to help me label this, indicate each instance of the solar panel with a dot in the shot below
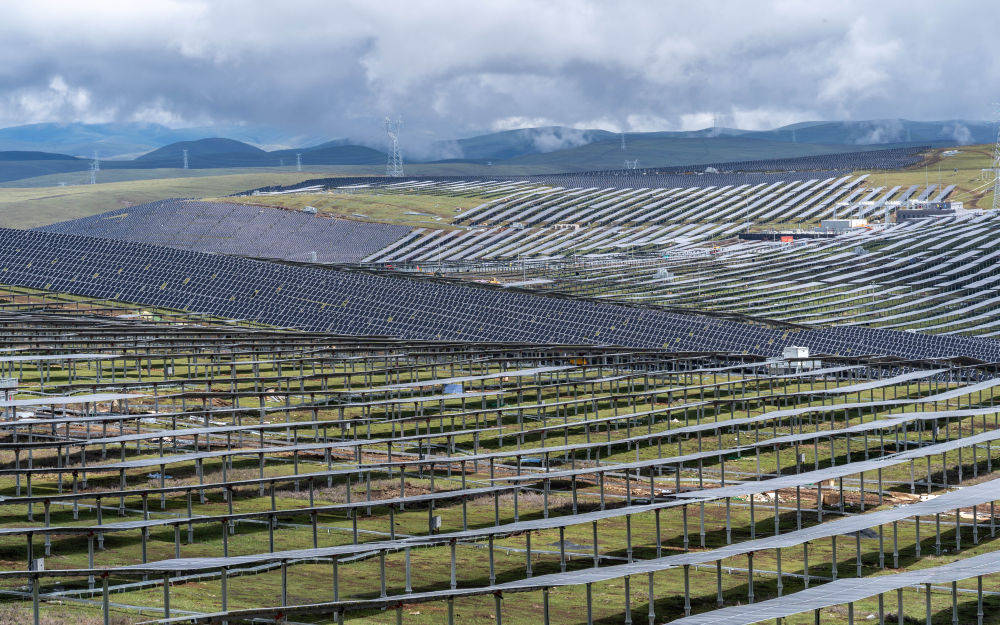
(244, 230)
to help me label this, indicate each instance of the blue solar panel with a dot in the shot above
(223, 228)
(356, 303)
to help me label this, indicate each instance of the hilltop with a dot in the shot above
(546, 149)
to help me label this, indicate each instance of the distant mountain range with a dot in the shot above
(513, 144)
(881, 131)
(219, 152)
(569, 149)
(38, 149)
(128, 140)
(208, 153)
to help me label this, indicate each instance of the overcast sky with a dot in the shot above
(452, 69)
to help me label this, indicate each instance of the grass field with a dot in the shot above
(106, 176)
(437, 209)
(44, 200)
(39, 206)
(963, 169)
(314, 171)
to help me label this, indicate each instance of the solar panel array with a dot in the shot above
(630, 178)
(520, 221)
(202, 472)
(228, 228)
(359, 303)
(933, 275)
(546, 222)
(794, 202)
(331, 300)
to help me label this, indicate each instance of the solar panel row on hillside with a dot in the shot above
(243, 230)
(360, 303)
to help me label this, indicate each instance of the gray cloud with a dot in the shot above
(960, 133)
(884, 131)
(456, 68)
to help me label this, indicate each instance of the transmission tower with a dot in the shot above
(623, 142)
(996, 170)
(298, 161)
(95, 166)
(394, 167)
(185, 158)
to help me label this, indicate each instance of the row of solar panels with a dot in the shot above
(355, 303)
(936, 275)
(688, 214)
(971, 496)
(665, 218)
(781, 202)
(229, 228)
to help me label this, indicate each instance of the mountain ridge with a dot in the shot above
(556, 148)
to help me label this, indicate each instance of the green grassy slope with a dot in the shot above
(962, 168)
(39, 206)
(435, 210)
(314, 171)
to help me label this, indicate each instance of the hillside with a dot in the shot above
(652, 151)
(39, 206)
(948, 132)
(513, 143)
(19, 164)
(219, 152)
(201, 147)
(213, 152)
(21, 155)
(333, 153)
(962, 166)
